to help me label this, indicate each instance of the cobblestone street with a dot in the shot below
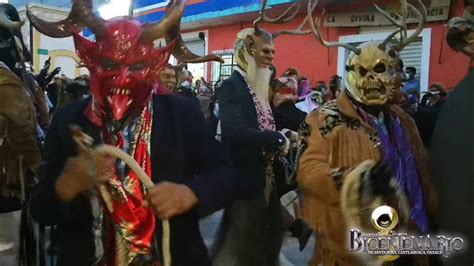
(289, 256)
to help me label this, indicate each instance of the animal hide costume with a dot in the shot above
(361, 151)
(124, 66)
(17, 113)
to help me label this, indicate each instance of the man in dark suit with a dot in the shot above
(251, 232)
(189, 169)
(166, 135)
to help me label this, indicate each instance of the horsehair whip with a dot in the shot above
(85, 143)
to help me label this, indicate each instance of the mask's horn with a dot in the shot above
(6, 22)
(181, 52)
(174, 11)
(81, 16)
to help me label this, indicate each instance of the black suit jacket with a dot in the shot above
(240, 134)
(183, 151)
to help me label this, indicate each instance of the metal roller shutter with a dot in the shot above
(411, 56)
(196, 46)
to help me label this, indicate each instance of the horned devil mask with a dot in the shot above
(123, 62)
(374, 69)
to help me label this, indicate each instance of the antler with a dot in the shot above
(297, 31)
(316, 24)
(283, 18)
(402, 24)
(287, 15)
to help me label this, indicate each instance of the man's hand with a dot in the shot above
(55, 71)
(81, 172)
(285, 148)
(47, 63)
(290, 134)
(170, 199)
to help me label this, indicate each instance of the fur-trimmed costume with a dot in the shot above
(336, 140)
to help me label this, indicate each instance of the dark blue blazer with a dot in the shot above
(183, 151)
(243, 140)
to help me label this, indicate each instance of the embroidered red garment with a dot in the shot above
(135, 223)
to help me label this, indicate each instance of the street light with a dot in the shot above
(116, 8)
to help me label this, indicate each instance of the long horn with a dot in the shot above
(5, 22)
(174, 11)
(81, 16)
(180, 51)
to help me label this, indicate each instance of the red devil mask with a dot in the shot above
(123, 62)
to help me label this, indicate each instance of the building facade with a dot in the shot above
(347, 21)
(210, 26)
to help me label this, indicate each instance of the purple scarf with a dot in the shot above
(397, 151)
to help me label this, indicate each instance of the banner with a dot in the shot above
(373, 17)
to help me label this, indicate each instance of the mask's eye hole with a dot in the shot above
(362, 71)
(380, 68)
(137, 66)
(110, 64)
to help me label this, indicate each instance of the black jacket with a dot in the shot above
(287, 115)
(183, 151)
(240, 134)
(452, 168)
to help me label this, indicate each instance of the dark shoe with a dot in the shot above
(303, 238)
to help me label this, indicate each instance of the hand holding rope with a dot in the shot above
(84, 143)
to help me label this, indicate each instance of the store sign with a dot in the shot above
(375, 18)
(43, 52)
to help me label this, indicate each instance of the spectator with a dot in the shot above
(288, 116)
(292, 72)
(168, 77)
(428, 112)
(185, 87)
(53, 90)
(412, 85)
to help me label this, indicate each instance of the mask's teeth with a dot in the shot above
(109, 99)
(129, 102)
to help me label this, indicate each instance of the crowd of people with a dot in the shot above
(240, 145)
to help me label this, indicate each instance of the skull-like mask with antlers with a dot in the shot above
(123, 62)
(375, 75)
(259, 43)
(374, 69)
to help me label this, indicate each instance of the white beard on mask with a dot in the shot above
(258, 79)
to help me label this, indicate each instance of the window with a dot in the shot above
(223, 70)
